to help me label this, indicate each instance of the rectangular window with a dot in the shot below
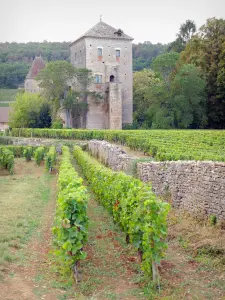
(99, 51)
(98, 78)
(75, 56)
(117, 53)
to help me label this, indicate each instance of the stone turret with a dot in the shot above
(31, 84)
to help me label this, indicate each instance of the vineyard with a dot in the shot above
(107, 228)
(161, 144)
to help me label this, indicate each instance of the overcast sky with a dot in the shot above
(65, 20)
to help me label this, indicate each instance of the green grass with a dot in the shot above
(8, 94)
(23, 199)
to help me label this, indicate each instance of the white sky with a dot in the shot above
(65, 20)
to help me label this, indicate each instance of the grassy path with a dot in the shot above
(27, 204)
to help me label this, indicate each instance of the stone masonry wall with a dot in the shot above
(111, 155)
(195, 186)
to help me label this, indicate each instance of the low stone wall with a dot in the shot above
(196, 186)
(111, 155)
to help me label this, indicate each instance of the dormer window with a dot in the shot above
(119, 32)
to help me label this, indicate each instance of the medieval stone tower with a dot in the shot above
(107, 52)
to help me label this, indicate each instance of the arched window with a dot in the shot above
(112, 78)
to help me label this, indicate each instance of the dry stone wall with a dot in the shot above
(111, 155)
(195, 186)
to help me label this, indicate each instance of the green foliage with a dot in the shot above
(206, 50)
(71, 222)
(39, 155)
(165, 64)
(133, 205)
(30, 110)
(50, 159)
(177, 101)
(27, 153)
(12, 74)
(18, 151)
(212, 220)
(143, 54)
(57, 124)
(55, 79)
(161, 144)
(189, 98)
(6, 159)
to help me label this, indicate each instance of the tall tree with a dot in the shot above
(189, 98)
(186, 31)
(143, 80)
(206, 50)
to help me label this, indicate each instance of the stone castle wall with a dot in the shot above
(196, 186)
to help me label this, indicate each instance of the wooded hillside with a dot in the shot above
(16, 58)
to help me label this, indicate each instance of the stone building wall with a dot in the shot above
(195, 186)
(84, 54)
(120, 67)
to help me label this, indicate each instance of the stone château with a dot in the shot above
(107, 52)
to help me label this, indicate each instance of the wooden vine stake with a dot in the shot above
(155, 274)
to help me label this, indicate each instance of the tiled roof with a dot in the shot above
(103, 30)
(4, 114)
(37, 65)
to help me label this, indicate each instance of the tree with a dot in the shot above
(165, 64)
(30, 110)
(189, 98)
(142, 81)
(187, 30)
(143, 53)
(179, 102)
(206, 50)
(55, 78)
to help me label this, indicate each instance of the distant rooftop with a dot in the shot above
(4, 114)
(103, 30)
(37, 65)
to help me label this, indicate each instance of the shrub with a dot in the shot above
(39, 155)
(27, 153)
(133, 205)
(70, 231)
(6, 159)
(57, 124)
(50, 159)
